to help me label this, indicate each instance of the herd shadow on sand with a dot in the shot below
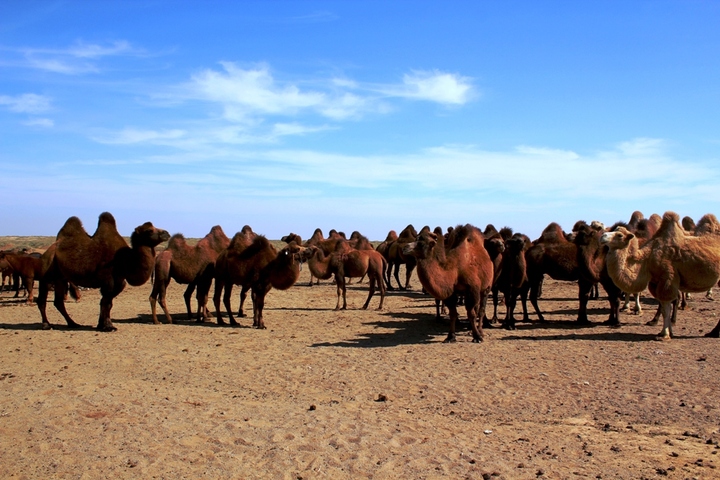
(410, 326)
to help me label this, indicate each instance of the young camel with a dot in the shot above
(185, 264)
(463, 268)
(103, 261)
(257, 267)
(348, 262)
(670, 263)
(28, 267)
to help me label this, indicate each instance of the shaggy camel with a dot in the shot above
(581, 260)
(396, 256)
(102, 261)
(28, 267)
(464, 267)
(185, 264)
(240, 241)
(347, 262)
(513, 280)
(258, 267)
(9, 275)
(384, 250)
(670, 263)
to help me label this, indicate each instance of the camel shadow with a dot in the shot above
(146, 319)
(404, 329)
(38, 326)
(613, 335)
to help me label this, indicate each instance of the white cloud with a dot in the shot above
(40, 122)
(77, 59)
(26, 103)
(132, 135)
(434, 86)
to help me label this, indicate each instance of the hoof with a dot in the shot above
(450, 339)
(46, 326)
(477, 340)
(611, 323)
(652, 322)
(662, 338)
(105, 328)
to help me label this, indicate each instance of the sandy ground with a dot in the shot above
(355, 394)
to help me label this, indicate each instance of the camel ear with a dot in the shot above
(629, 236)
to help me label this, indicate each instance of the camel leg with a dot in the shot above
(437, 310)
(476, 307)
(243, 296)
(202, 292)
(666, 332)
(188, 298)
(371, 291)
(106, 303)
(584, 289)
(258, 299)
(42, 304)
(59, 303)
(396, 272)
(219, 284)
(226, 301)
(451, 304)
(510, 302)
(409, 267)
(535, 287)
(340, 288)
(613, 295)
(495, 295)
(381, 287)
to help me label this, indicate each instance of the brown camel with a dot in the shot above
(581, 260)
(670, 263)
(347, 262)
(9, 275)
(185, 264)
(240, 241)
(103, 261)
(513, 280)
(397, 256)
(384, 249)
(495, 246)
(28, 267)
(464, 267)
(257, 267)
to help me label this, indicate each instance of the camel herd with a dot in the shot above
(463, 265)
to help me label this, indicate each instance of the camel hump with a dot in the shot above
(552, 233)
(671, 217)
(670, 228)
(177, 240)
(106, 218)
(462, 233)
(73, 226)
(506, 233)
(707, 224)
(258, 244)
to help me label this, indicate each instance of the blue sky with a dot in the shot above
(356, 115)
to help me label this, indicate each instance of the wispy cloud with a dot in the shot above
(40, 122)
(76, 59)
(26, 103)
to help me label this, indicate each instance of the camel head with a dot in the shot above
(422, 247)
(494, 246)
(584, 233)
(707, 224)
(515, 244)
(292, 237)
(618, 239)
(294, 252)
(148, 236)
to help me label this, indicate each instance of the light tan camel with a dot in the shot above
(103, 261)
(671, 262)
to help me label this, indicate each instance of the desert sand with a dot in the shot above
(356, 394)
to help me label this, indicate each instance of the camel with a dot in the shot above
(464, 267)
(103, 260)
(9, 275)
(348, 262)
(28, 267)
(293, 237)
(670, 263)
(186, 264)
(581, 260)
(513, 280)
(255, 266)
(396, 256)
(384, 250)
(240, 241)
